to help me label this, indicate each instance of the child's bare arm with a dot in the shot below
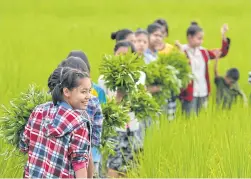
(179, 45)
(154, 89)
(224, 30)
(81, 173)
(216, 71)
(244, 97)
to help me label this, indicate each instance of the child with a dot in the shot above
(196, 94)
(119, 49)
(164, 48)
(96, 90)
(227, 87)
(142, 41)
(123, 35)
(57, 135)
(129, 138)
(155, 39)
(93, 109)
(124, 47)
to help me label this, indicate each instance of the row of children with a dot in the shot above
(60, 135)
(149, 44)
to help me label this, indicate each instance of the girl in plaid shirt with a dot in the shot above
(78, 60)
(57, 135)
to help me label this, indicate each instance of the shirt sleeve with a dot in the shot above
(25, 136)
(224, 49)
(240, 93)
(79, 149)
(97, 125)
(142, 78)
(101, 83)
(217, 80)
(102, 96)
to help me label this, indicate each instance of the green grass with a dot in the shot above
(215, 145)
(37, 35)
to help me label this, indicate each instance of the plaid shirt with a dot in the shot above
(56, 138)
(95, 115)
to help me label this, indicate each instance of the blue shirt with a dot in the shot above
(97, 128)
(99, 92)
(150, 56)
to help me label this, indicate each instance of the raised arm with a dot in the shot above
(225, 44)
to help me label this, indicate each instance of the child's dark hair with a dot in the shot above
(75, 63)
(125, 44)
(141, 31)
(234, 74)
(121, 34)
(193, 29)
(153, 28)
(163, 23)
(82, 55)
(63, 77)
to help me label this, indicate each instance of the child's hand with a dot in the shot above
(154, 89)
(120, 95)
(224, 29)
(178, 44)
(217, 54)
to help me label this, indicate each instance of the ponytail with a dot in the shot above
(64, 77)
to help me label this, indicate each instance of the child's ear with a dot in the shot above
(66, 92)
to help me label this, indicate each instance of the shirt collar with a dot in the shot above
(64, 104)
(148, 51)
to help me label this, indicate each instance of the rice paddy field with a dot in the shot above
(36, 35)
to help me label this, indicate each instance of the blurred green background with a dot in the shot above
(35, 35)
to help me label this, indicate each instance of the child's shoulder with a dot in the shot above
(219, 80)
(43, 107)
(97, 88)
(93, 100)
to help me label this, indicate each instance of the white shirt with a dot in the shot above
(198, 66)
(101, 83)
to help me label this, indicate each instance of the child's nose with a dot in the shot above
(88, 96)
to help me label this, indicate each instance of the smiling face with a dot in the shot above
(79, 96)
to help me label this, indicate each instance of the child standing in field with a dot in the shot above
(155, 39)
(196, 94)
(123, 35)
(129, 139)
(164, 48)
(78, 60)
(57, 135)
(227, 87)
(119, 49)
